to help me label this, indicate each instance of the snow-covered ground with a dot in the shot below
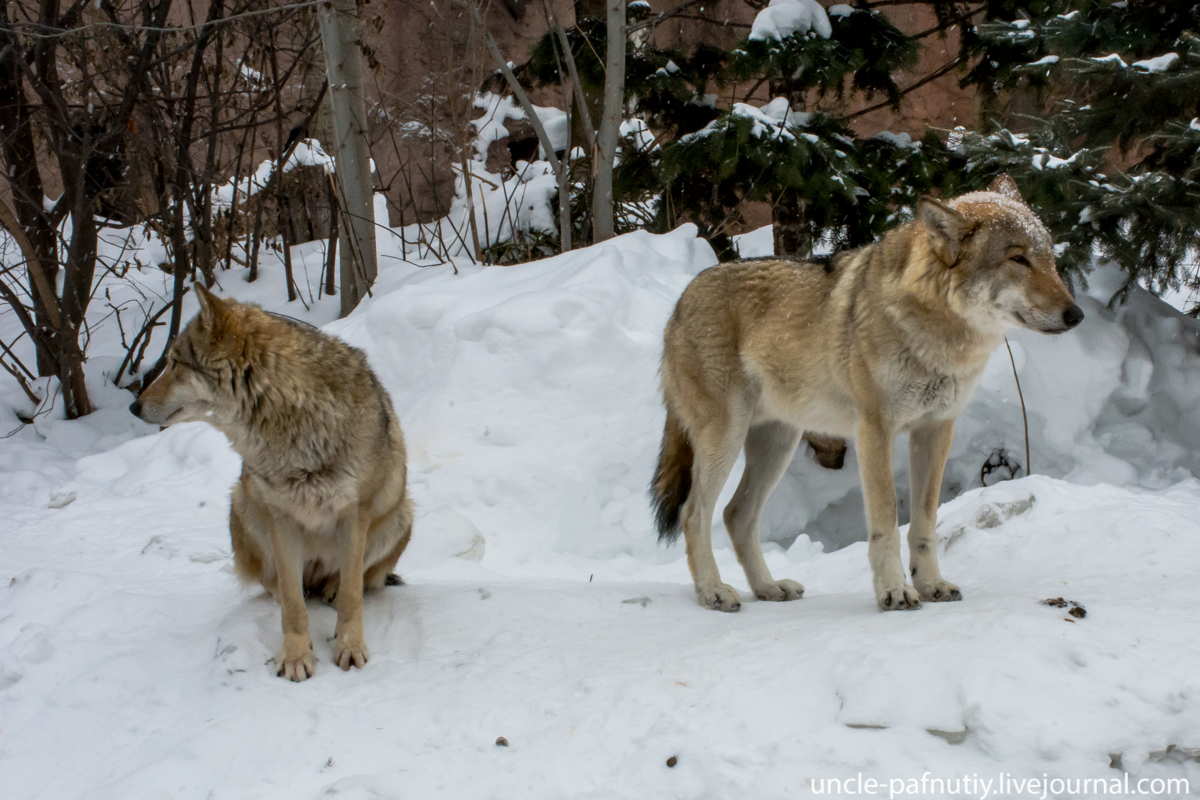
(538, 606)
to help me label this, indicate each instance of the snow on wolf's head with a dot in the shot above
(996, 259)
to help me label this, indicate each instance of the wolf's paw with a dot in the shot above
(780, 591)
(721, 597)
(297, 668)
(905, 597)
(939, 591)
(350, 653)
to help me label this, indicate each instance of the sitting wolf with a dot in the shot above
(887, 338)
(321, 507)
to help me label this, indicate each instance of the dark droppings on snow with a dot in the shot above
(501, 741)
(672, 761)
(1073, 608)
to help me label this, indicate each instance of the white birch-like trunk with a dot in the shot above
(610, 124)
(343, 60)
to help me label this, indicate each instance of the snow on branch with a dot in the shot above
(784, 18)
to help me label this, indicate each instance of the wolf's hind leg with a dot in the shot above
(319, 583)
(929, 446)
(380, 574)
(716, 449)
(874, 443)
(296, 662)
(769, 449)
(350, 648)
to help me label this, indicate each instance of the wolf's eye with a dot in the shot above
(1022, 260)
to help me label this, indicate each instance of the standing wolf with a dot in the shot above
(890, 337)
(321, 507)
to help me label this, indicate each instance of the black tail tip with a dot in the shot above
(666, 519)
(667, 504)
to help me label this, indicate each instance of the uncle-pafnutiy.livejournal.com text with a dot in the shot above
(1002, 784)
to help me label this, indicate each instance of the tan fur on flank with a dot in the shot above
(321, 507)
(888, 338)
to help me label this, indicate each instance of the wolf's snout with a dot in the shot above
(1073, 316)
(135, 408)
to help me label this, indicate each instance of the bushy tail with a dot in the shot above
(673, 478)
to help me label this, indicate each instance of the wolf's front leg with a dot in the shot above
(350, 647)
(296, 661)
(928, 448)
(879, 489)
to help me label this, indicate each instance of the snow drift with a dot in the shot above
(539, 382)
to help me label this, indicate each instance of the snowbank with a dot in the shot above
(529, 393)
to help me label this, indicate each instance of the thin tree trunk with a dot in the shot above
(24, 180)
(564, 197)
(585, 114)
(788, 229)
(256, 235)
(205, 257)
(283, 209)
(564, 185)
(180, 268)
(331, 251)
(80, 272)
(603, 226)
(237, 186)
(343, 59)
(255, 240)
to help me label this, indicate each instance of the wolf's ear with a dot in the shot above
(212, 309)
(1006, 186)
(945, 228)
